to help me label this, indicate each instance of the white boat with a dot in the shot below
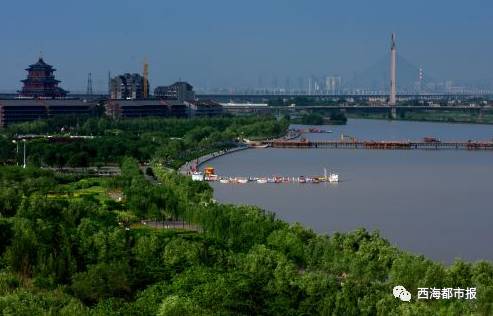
(212, 177)
(262, 180)
(242, 180)
(197, 176)
(333, 178)
(224, 181)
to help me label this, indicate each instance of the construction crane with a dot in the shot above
(146, 76)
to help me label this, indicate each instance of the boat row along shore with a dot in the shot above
(210, 175)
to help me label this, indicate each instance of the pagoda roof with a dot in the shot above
(40, 64)
(45, 80)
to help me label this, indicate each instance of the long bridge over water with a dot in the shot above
(383, 145)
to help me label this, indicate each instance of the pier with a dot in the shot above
(383, 145)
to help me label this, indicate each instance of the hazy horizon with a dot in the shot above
(246, 44)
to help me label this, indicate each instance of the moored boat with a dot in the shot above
(333, 178)
(212, 177)
(242, 180)
(197, 176)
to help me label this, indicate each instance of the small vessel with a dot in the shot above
(333, 178)
(197, 176)
(225, 181)
(301, 179)
(262, 180)
(210, 174)
(212, 177)
(242, 180)
(209, 170)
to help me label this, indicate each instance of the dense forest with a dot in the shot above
(80, 245)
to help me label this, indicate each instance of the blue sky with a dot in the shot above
(227, 43)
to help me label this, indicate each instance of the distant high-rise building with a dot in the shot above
(181, 91)
(41, 82)
(333, 84)
(89, 84)
(128, 86)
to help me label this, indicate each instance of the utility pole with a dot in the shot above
(24, 141)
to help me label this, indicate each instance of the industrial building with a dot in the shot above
(200, 108)
(149, 107)
(181, 91)
(129, 86)
(22, 110)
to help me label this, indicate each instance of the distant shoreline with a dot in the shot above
(362, 117)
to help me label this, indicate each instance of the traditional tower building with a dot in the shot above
(41, 82)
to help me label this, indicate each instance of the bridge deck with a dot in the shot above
(389, 145)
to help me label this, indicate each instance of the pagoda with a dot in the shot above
(41, 82)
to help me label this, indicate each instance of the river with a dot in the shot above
(435, 203)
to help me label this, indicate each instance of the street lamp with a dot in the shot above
(16, 151)
(24, 141)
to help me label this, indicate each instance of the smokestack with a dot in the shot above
(393, 66)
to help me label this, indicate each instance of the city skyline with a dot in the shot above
(224, 45)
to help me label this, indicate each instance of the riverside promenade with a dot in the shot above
(187, 167)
